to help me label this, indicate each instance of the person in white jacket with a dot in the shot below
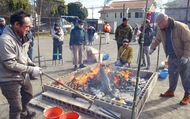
(58, 37)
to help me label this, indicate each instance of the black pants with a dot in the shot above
(57, 52)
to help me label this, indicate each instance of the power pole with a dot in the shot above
(123, 10)
(186, 17)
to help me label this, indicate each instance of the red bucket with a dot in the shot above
(53, 113)
(70, 115)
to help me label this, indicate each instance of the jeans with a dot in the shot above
(18, 95)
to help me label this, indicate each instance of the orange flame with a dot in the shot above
(82, 80)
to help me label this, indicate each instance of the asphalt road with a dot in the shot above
(155, 108)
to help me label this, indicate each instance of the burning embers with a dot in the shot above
(117, 84)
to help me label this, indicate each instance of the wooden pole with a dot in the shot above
(134, 111)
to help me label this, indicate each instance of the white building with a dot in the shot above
(132, 9)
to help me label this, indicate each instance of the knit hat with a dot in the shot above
(147, 21)
(125, 19)
(161, 17)
(81, 22)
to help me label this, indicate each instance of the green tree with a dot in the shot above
(51, 8)
(14, 5)
(77, 9)
(7, 7)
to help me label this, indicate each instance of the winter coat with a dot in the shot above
(148, 36)
(58, 36)
(1, 29)
(14, 60)
(125, 55)
(77, 36)
(123, 32)
(180, 38)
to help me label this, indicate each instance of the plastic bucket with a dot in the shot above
(106, 57)
(70, 115)
(53, 113)
(163, 73)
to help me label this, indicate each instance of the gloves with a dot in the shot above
(183, 60)
(151, 51)
(36, 71)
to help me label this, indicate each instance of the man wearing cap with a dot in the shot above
(125, 54)
(123, 31)
(77, 43)
(148, 37)
(175, 37)
(2, 25)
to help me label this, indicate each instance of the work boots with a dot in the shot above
(185, 100)
(167, 94)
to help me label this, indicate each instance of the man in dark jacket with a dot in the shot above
(123, 31)
(148, 37)
(77, 43)
(2, 24)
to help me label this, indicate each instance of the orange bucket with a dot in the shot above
(70, 115)
(53, 113)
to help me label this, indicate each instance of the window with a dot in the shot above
(138, 14)
(129, 15)
(106, 14)
(121, 16)
(115, 15)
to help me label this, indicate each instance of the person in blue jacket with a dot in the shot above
(148, 37)
(77, 43)
(90, 31)
(2, 24)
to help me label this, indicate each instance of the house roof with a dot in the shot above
(131, 4)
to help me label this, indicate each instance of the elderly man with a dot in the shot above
(2, 24)
(15, 66)
(175, 37)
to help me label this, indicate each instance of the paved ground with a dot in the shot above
(155, 108)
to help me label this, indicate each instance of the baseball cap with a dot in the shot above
(2, 19)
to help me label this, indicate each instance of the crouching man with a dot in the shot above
(125, 55)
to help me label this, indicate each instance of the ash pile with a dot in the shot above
(109, 82)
